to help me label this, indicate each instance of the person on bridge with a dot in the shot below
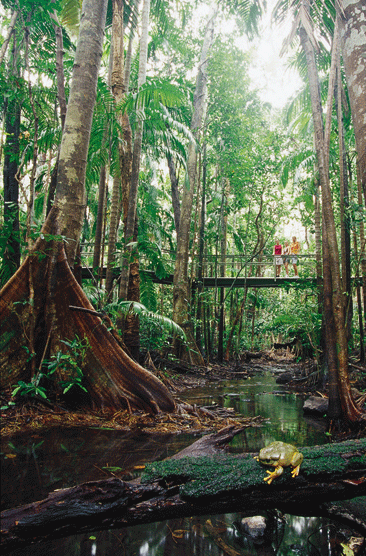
(277, 251)
(295, 250)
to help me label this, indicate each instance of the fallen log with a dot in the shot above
(187, 486)
(285, 345)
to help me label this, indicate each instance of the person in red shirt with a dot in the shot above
(277, 252)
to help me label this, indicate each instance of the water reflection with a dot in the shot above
(286, 535)
(260, 395)
(34, 465)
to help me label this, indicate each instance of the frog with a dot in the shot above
(280, 455)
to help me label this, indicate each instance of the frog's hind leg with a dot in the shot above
(295, 471)
(273, 474)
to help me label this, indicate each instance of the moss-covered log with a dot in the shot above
(191, 486)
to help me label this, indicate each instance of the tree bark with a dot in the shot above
(70, 193)
(174, 182)
(189, 484)
(61, 95)
(112, 237)
(344, 203)
(99, 222)
(353, 34)
(136, 156)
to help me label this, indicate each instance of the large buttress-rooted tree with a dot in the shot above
(43, 304)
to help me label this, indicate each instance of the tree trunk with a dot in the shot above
(351, 412)
(129, 286)
(223, 249)
(353, 34)
(111, 378)
(344, 205)
(70, 193)
(362, 244)
(99, 222)
(118, 91)
(136, 156)
(112, 237)
(191, 483)
(174, 181)
(32, 176)
(329, 332)
(201, 246)
(11, 185)
(359, 305)
(61, 95)
(181, 290)
(318, 247)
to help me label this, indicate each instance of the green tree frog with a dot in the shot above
(280, 455)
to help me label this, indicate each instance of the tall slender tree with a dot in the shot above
(353, 32)
(181, 293)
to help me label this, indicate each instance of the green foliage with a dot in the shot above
(69, 364)
(155, 322)
(155, 91)
(295, 316)
(30, 389)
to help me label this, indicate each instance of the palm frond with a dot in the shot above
(70, 14)
(126, 307)
(156, 90)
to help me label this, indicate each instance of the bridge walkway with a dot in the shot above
(238, 272)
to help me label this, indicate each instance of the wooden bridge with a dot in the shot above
(238, 272)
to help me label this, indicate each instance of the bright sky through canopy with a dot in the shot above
(276, 83)
(268, 72)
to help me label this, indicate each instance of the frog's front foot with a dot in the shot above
(273, 474)
(295, 471)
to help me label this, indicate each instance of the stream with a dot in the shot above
(35, 464)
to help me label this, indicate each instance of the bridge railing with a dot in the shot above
(236, 265)
(212, 265)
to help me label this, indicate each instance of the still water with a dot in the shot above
(33, 465)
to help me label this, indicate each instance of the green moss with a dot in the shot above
(334, 458)
(211, 476)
